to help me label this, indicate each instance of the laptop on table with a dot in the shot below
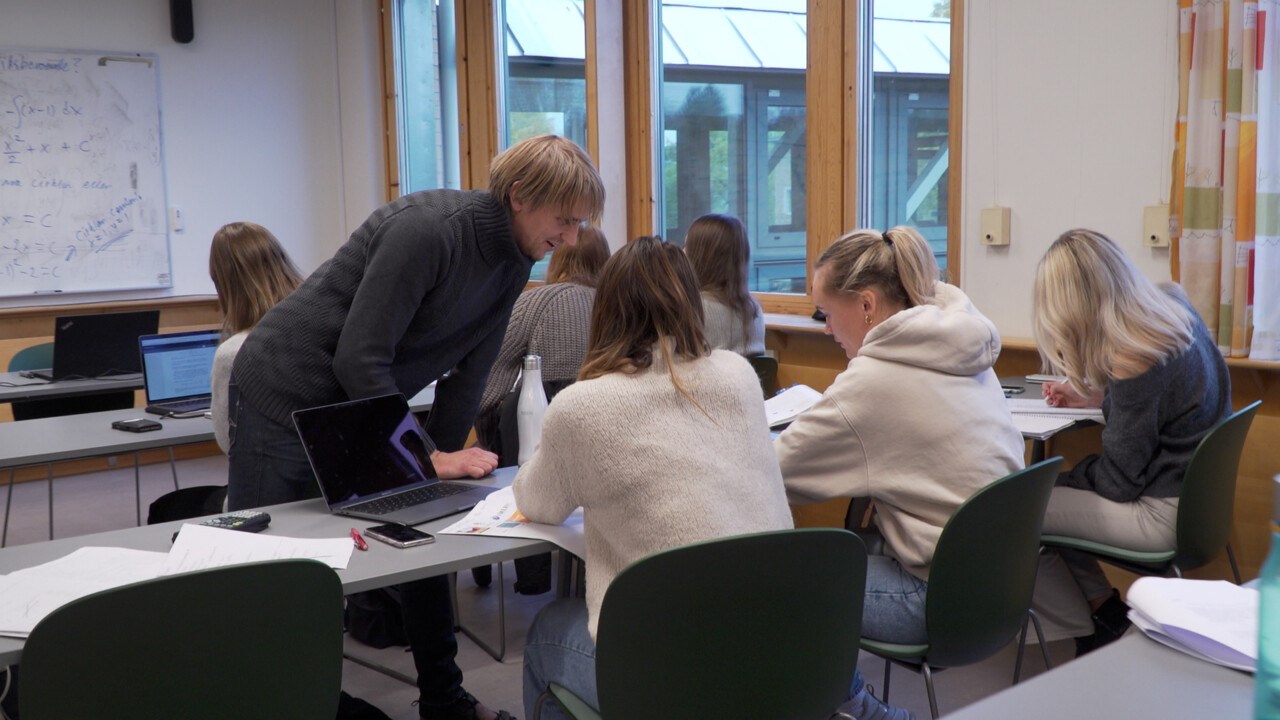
(101, 345)
(371, 461)
(177, 370)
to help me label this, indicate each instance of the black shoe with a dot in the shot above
(1111, 619)
(464, 708)
(353, 708)
(483, 575)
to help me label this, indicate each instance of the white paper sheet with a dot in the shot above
(27, 596)
(497, 515)
(1213, 620)
(201, 546)
(788, 404)
(1037, 406)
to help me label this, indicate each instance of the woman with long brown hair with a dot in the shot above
(718, 248)
(251, 272)
(651, 397)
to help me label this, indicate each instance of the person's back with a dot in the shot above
(729, 329)
(719, 252)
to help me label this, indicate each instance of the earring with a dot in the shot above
(867, 319)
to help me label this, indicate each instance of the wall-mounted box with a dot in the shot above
(1155, 226)
(994, 226)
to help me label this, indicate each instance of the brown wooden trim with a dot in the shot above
(593, 80)
(14, 320)
(638, 79)
(477, 90)
(831, 152)
(390, 128)
(955, 148)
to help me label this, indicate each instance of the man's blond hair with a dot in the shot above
(548, 171)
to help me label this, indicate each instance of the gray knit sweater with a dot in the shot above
(424, 287)
(552, 321)
(723, 327)
(1154, 422)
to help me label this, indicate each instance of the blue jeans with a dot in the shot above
(559, 648)
(269, 466)
(893, 606)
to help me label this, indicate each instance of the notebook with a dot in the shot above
(92, 346)
(371, 461)
(177, 370)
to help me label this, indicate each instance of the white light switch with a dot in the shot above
(176, 222)
(995, 226)
(1155, 226)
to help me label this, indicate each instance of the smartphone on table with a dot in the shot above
(401, 536)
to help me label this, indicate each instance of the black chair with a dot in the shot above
(766, 368)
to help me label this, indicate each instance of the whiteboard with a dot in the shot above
(82, 192)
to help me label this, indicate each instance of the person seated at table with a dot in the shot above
(251, 272)
(917, 422)
(1142, 354)
(718, 248)
(651, 396)
(551, 321)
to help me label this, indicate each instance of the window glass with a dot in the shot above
(906, 180)
(546, 82)
(425, 75)
(733, 127)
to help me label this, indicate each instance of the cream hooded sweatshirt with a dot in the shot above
(917, 422)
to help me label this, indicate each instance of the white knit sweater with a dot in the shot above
(650, 470)
(223, 359)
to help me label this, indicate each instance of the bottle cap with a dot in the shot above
(532, 362)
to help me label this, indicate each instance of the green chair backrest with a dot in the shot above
(36, 357)
(261, 640)
(1206, 503)
(766, 368)
(764, 625)
(984, 568)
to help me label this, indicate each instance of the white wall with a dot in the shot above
(272, 114)
(1068, 120)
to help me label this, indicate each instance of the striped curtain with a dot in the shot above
(1226, 180)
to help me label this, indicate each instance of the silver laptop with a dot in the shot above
(371, 461)
(177, 371)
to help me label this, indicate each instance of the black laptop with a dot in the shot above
(371, 461)
(102, 345)
(177, 371)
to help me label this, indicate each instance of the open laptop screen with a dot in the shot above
(178, 366)
(364, 448)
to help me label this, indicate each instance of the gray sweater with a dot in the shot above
(424, 287)
(1154, 422)
(552, 321)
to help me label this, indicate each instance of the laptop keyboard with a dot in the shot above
(183, 406)
(417, 496)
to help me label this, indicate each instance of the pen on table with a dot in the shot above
(359, 541)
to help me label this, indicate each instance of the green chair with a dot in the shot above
(766, 368)
(981, 579)
(39, 357)
(763, 625)
(262, 640)
(1205, 508)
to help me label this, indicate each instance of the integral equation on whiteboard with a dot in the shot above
(72, 147)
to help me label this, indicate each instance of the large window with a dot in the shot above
(546, 85)
(426, 99)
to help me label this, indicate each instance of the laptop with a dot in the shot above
(177, 370)
(371, 461)
(94, 346)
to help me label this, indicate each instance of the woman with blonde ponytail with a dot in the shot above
(917, 422)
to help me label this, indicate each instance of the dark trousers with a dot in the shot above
(269, 466)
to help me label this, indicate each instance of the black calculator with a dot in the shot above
(246, 520)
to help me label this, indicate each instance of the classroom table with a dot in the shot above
(14, 387)
(1134, 677)
(1039, 441)
(379, 566)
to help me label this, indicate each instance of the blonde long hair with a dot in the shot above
(898, 262)
(1096, 317)
(582, 262)
(548, 171)
(251, 272)
(719, 251)
(647, 296)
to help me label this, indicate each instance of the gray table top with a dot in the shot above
(1134, 677)
(380, 566)
(14, 387)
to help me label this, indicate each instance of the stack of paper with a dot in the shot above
(1034, 417)
(788, 404)
(1209, 619)
(497, 515)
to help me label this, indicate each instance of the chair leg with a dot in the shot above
(137, 486)
(1235, 569)
(1022, 644)
(1044, 649)
(928, 683)
(50, 501)
(173, 467)
(8, 503)
(884, 689)
(501, 652)
(537, 705)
